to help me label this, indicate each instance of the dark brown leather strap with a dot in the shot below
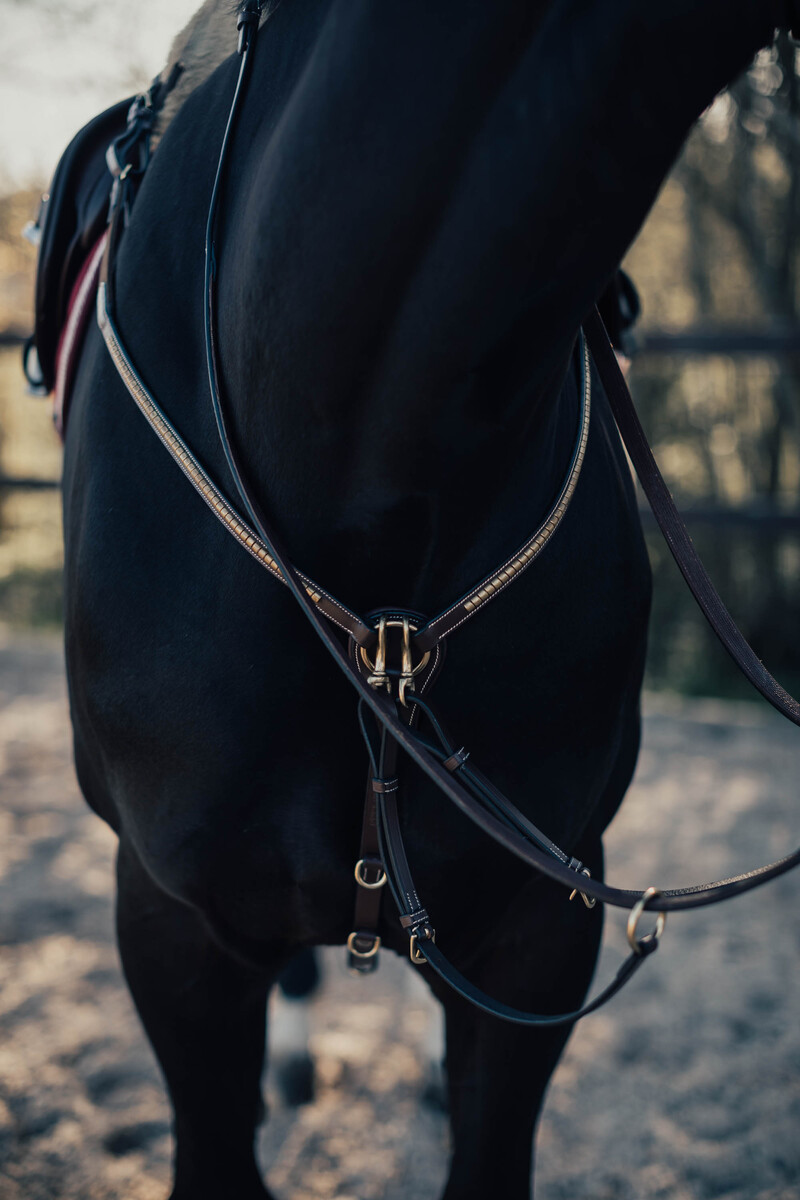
(673, 528)
(364, 941)
(416, 921)
(382, 782)
(440, 628)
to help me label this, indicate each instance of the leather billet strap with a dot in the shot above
(265, 548)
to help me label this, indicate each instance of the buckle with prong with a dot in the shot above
(589, 901)
(424, 933)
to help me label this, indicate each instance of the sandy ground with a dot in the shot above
(688, 1086)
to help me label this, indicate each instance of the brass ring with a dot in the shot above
(639, 944)
(362, 882)
(373, 950)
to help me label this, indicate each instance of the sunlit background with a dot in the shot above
(62, 61)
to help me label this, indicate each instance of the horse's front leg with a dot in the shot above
(498, 1072)
(204, 1014)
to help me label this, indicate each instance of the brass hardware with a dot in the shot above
(362, 882)
(379, 675)
(125, 172)
(373, 950)
(638, 945)
(406, 664)
(417, 956)
(589, 901)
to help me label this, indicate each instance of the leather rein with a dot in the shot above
(391, 698)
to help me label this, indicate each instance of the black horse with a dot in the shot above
(423, 203)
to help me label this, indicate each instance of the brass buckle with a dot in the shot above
(378, 674)
(373, 950)
(643, 944)
(416, 954)
(362, 882)
(589, 901)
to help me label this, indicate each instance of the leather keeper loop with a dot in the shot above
(247, 23)
(420, 917)
(381, 786)
(456, 760)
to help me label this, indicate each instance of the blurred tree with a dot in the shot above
(741, 173)
(723, 251)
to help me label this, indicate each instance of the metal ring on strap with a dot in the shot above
(644, 945)
(362, 882)
(373, 950)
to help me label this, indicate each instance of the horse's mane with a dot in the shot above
(208, 39)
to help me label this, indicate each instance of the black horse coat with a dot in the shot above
(424, 201)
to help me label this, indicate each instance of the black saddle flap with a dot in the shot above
(73, 216)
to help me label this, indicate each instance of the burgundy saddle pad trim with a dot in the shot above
(81, 305)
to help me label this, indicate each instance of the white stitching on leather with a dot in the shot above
(557, 513)
(242, 532)
(226, 514)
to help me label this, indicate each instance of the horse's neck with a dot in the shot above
(425, 204)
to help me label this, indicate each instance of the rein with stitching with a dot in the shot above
(261, 543)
